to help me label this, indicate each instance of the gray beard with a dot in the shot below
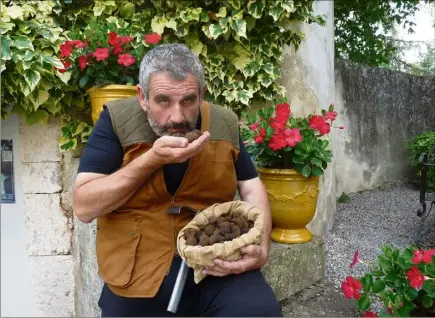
(162, 130)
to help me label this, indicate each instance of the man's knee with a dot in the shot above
(267, 306)
(245, 295)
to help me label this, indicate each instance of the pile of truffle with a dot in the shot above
(218, 230)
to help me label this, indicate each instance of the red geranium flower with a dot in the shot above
(101, 53)
(126, 59)
(416, 278)
(351, 288)
(153, 38)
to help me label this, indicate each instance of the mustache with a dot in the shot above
(184, 126)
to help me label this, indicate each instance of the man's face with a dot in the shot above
(173, 105)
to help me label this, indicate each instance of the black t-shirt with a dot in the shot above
(103, 154)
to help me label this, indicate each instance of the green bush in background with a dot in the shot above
(423, 143)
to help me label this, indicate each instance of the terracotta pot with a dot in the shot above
(101, 95)
(293, 200)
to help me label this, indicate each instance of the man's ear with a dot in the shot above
(142, 98)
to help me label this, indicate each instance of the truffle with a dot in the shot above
(219, 230)
(209, 229)
(193, 135)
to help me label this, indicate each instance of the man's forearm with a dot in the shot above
(103, 195)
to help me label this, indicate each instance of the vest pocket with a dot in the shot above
(117, 240)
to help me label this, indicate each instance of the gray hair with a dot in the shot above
(176, 59)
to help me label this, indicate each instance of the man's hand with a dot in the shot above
(253, 257)
(169, 149)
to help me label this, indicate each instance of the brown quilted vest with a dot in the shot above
(137, 242)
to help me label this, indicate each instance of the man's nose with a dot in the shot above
(177, 114)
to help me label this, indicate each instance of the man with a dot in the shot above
(133, 169)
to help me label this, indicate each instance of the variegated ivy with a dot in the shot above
(240, 43)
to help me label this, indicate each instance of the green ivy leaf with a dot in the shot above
(239, 26)
(190, 14)
(222, 12)
(275, 11)
(52, 107)
(14, 11)
(306, 171)
(6, 26)
(240, 62)
(64, 77)
(38, 98)
(271, 69)
(364, 302)
(244, 96)
(158, 24)
(23, 42)
(251, 68)
(255, 8)
(32, 78)
(6, 43)
(236, 4)
(216, 30)
(265, 80)
(53, 61)
(38, 117)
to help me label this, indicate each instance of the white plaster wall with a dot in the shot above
(17, 292)
(308, 76)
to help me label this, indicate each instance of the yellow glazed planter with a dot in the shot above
(101, 95)
(293, 200)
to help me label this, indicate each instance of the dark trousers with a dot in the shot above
(242, 295)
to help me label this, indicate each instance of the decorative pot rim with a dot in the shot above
(288, 171)
(111, 87)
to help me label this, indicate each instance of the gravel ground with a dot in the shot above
(370, 220)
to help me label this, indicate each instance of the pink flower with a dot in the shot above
(423, 256)
(331, 115)
(254, 126)
(370, 314)
(356, 259)
(293, 136)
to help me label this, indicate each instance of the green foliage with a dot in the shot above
(240, 43)
(402, 280)
(361, 28)
(423, 143)
(30, 39)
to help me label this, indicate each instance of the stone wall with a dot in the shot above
(48, 224)
(382, 110)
